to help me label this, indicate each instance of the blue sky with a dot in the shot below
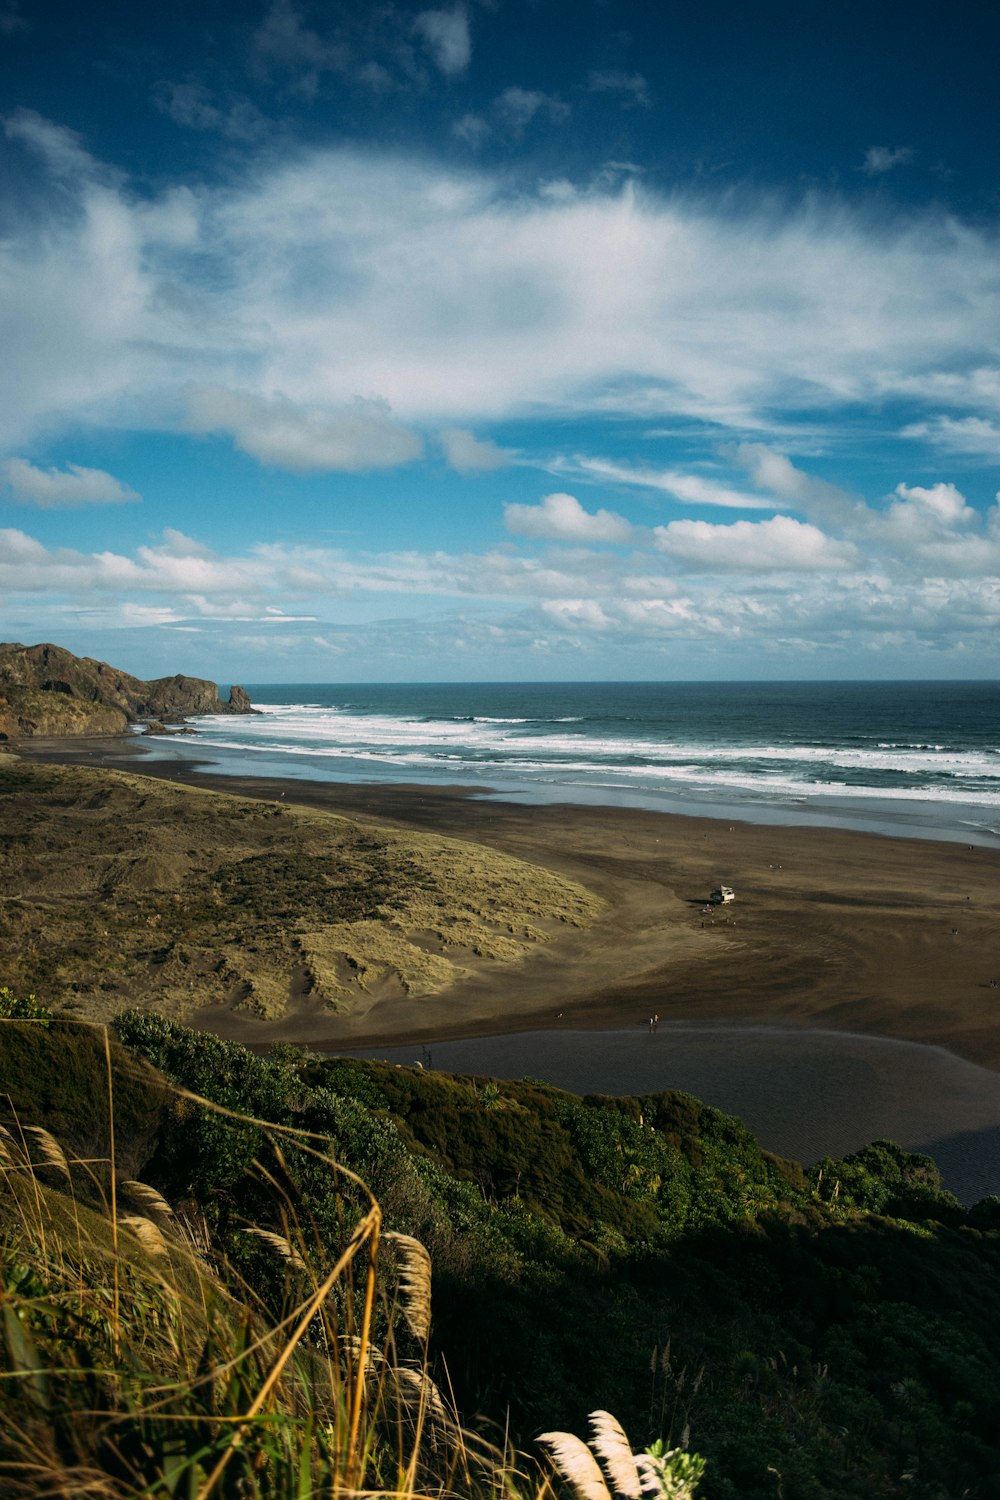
(505, 340)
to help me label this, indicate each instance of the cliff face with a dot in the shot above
(45, 690)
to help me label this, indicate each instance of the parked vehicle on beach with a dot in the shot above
(722, 895)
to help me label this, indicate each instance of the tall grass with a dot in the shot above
(137, 1360)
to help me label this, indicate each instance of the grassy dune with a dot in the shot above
(120, 889)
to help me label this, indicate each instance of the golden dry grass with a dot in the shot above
(206, 898)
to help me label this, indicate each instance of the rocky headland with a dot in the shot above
(47, 691)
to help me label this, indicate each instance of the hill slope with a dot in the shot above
(822, 1336)
(46, 690)
(219, 904)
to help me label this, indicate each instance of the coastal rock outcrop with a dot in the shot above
(46, 690)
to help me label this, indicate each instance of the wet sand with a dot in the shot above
(833, 929)
(803, 1093)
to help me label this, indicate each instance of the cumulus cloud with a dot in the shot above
(879, 159)
(938, 506)
(445, 34)
(56, 489)
(779, 545)
(284, 435)
(468, 454)
(562, 518)
(929, 583)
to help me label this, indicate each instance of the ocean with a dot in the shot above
(917, 759)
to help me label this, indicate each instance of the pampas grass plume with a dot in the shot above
(148, 1197)
(282, 1246)
(49, 1148)
(146, 1232)
(574, 1461)
(414, 1283)
(612, 1447)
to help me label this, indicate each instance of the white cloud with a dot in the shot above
(471, 128)
(333, 272)
(55, 489)
(191, 105)
(468, 454)
(774, 472)
(577, 612)
(515, 108)
(779, 545)
(445, 34)
(510, 114)
(62, 149)
(306, 439)
(977, 437)
(695, 489)
(631, 86)
(879, 159)
(283, 40)
(940, 506)
(562, 518)
(775, 585)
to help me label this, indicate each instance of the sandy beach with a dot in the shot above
(849, 931)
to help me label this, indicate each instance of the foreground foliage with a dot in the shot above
(811, 1335)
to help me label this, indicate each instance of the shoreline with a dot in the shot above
(832, 929)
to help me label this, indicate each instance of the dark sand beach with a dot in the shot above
(834, 929)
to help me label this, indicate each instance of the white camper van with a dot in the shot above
(722, 895)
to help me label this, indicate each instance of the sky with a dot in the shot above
(502, 340)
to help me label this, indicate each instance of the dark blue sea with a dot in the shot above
(912, 758)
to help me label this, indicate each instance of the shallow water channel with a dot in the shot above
(804, 1093)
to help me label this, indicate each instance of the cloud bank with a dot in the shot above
(334, 275)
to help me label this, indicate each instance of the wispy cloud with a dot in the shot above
(693, 489)
(631, 87)
(333, 273)
(977, 437)
(192, 105)
(880, 159)
(445, 34)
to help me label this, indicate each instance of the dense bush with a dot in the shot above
(821, 1336)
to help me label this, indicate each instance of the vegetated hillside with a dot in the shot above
(46, 690)
(210, 899)
(815, 1335)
